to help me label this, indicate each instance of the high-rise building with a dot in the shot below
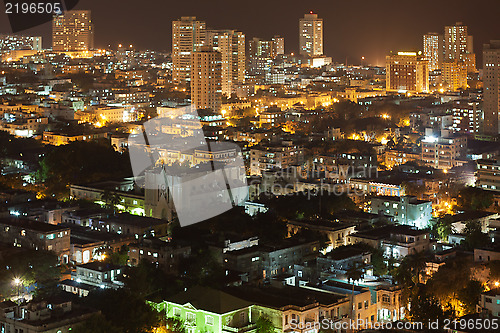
(491, 89)
(454, 75)
(262, 52)
(458, 45)
(278, 45)
(206, 79)
(433, 50)
(16, 42)
(231, 45)
(311, 35)
(188, 35)
(73, 31)
(407, 72)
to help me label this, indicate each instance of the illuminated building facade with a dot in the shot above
(458, 45)
(72, 31)
(231, 45)
(454, 74)
(433, 50)
(262, 52)
(188, 35)
(311, 35)
(491, 90)
(206, 79)
(15, 42)
(407, 72)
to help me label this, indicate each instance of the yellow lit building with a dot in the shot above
(454, 75)
(231, 45)
(188, 35)
(407, 72)
(72, 31)
(206, 79)
(433, 50)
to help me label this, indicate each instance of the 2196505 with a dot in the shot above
(32, 8)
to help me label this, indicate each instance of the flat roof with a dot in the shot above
(32, 225)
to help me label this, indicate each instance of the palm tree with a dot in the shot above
(111, 199)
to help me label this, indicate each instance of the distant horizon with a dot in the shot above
(370, 30)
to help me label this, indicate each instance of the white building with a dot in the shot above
(311, 35)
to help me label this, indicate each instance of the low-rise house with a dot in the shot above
(487, 254)
(396, 241)
(390, 306)
(341, 259)
(490, 302)
(36, 235)
(166, 255)
(99, 274)
(54, 315)
(405, 210)
(131, 225)
(336, 232)
(265, 261)
(204, 309)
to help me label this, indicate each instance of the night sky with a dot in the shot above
(352, 29)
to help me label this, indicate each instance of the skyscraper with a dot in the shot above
(407, 72)
(491, 93)
(73, 31)
(206, 80)
(188, 36)
(311, 35)
(278, 45)
(262, 52)
(458, 45)
(433, 50)
(231, 45)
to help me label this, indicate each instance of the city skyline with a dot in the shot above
(372, 33)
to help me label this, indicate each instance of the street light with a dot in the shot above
(18, 282)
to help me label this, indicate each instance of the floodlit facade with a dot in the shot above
(407, 72)
(444, 152)
(188, 35)
(311, 35)
(206, 80)
(454, 74)
(73, 31)
(491, 90)
(406, 210)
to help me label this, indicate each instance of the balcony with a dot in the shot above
(248, 328)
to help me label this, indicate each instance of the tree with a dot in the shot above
(474, 237)
(170, 325)
(426, 308)
(474, 198)
(469, 296)
(37, 270)
(443, 227)
(123, 309)
(111, 199)
(96, 324)
(264, 325)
